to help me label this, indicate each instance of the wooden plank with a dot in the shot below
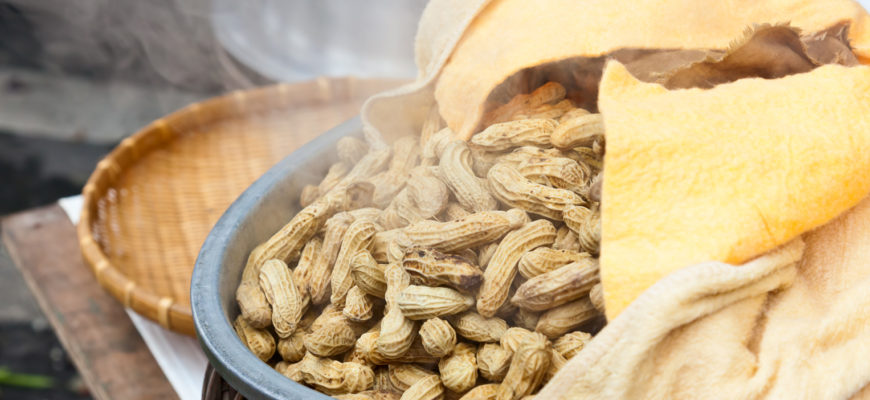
(91, 325)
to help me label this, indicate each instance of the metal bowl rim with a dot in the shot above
(234, 362)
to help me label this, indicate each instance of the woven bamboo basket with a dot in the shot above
(151, 202)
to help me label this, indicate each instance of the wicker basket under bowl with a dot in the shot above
(150, 204)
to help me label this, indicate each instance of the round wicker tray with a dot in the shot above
(151, 202)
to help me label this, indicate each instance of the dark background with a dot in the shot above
(76, 77)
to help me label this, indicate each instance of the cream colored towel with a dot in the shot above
(792, 323)
(767, 329)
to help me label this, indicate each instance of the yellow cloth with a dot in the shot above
(724, 174)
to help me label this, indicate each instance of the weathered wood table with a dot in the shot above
(92, 326)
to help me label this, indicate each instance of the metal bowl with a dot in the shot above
(258, 213)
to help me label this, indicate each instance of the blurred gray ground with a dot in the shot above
(76, 77)
(27, 344)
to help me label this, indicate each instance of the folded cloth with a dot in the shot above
(763, 172)
(778, 327)
(724, 174)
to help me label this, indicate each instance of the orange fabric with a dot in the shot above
(509, 35)
(724, 174)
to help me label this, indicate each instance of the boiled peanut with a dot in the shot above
(424, 302)
(588, 156)
(550, 92)
(595, 189)
(332, 338)
(368, 275)
(505, 135)
(290, 370)
(557, 287)
(493, 361)
(321, 270)
(596, 295)
(326, 315)
(473, 326)
(292, 349)
(438, 337)
(553, 111)
(523, 154)
(259, 341)
(380, 243)
(397, 332)
(574, 113)
(527, 370)
(559, 172)
(406, 153)
(454, 211)
(578, 131)
(472, 231)
(333, 176)
(545, 259)
(382, 380)
(428, 388)
(566, 239)
(402, 376)
(359, 355)
(433, 268)
(416, 353)
(369, 213)
(591, 236)
(569, 344)
(512, 188)
(455, 170)
(586, 223)
(368, 166)
(459, 369)
(428, 192)
(526, 318)
(482, 160)
(435, 145)
(307, 260)
(482, 392)
(513, 337)
(401, 211)
(334, 377)
(358, 237)
(557, 321)
(358, 305)
(369, 395)
(288, 305)
(486, 252)
(502, 267)
(309, 195)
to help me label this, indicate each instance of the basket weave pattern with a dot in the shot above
(150, 204)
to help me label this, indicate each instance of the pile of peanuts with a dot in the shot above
(439, 268)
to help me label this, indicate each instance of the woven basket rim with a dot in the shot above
(169, 312)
